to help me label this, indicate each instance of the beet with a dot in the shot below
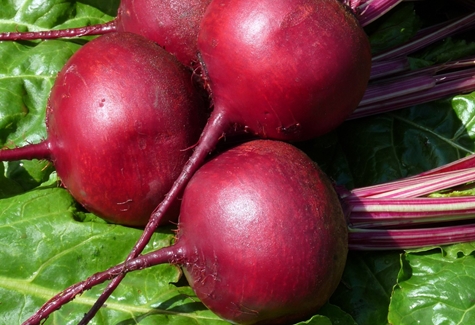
(279, 68)
(262, 238)
(288, 70)
(172, 24)
(119, 117)
(268, 239)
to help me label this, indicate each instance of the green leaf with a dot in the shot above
(409, 141)
(336, 315)
(30, 15)
(435, 287)
(394, 28)
(26, 77)
(366, 287)
(48, 250)
(441, 52)
(49, 242)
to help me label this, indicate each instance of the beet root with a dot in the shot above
(279, 68)
(285, 70)
(267, 240)
(119, 117)
(262, 238)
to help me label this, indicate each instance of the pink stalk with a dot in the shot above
(388, 67)
(386, 97)
(371, 10)
(394, 87)
(390, 215)
(459, 164)
(98, 29)
(407, 212)
(415, 186)
(396, 239)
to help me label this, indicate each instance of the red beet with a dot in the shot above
(262, 238)
(288, 70)
(268, 239)
(170, 23)
(120, 115)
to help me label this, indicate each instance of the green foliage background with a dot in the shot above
(49, 242)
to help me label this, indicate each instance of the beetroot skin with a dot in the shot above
(288, 70)
(264, 234)
(174, 24)
(120, 118)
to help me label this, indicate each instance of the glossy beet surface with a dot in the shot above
(284, 70)
(288, 69)
(120, 116)
(264, 235)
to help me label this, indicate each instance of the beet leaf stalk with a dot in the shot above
(403, 214)
(370, 10)
(417, 87)
(91, 30)
(395, 60)
(394, 86)
(396, 239)
(162, 256)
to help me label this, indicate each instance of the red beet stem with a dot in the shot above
(161, 256)
(40, 150)
(217, 125)
(98, 29)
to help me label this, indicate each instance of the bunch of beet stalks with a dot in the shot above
(267, 73)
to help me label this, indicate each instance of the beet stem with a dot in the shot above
(161, 256)
(372, 10)
(40, 150)
(98, 29)
(217, 125)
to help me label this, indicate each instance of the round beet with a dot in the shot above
(120, 116)
(288, 70)
(262, 238)
(264, 234)
(276, 69)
